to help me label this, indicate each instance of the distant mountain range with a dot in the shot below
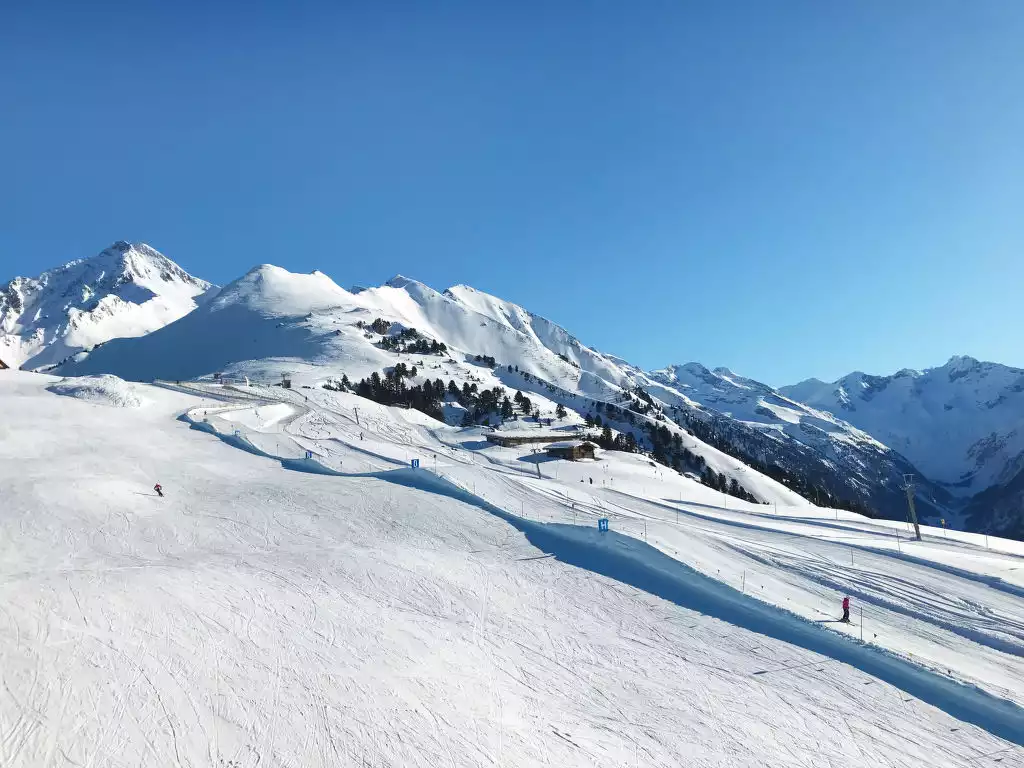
(132, 312)
(961, 424)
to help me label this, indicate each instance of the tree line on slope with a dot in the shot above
(638, 409)
(725, 438)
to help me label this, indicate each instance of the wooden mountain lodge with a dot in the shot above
(573, 450)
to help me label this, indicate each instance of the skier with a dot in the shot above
(159, 490)
(846, 610)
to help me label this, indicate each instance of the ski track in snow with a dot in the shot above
(355, 614)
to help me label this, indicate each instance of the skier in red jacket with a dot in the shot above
(159, 490)
(846, 610)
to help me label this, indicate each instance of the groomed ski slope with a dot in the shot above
(346, 610)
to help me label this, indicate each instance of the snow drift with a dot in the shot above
(103, 390)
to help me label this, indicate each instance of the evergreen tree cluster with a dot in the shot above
(487, 360)
(642, 393)
(667, 448)
(764, 457)
(392, 389)
(481, 403)
(612, 413)
(338, 385)
(567, 360)
(410, 340)
(624, 441)
(524, 403)
(719, 482)
(380, 325)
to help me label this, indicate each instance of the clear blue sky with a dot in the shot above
(791, 189)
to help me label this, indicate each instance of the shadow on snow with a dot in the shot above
(633, 562)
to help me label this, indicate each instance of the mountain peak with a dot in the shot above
(961, 362)
(125, 290)
(276, 291)
(401, 281)
(417, 290)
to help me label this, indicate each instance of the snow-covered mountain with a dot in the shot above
(132, 312)
(127, 290)
(272, 322)
(814, 444)
(961, 424)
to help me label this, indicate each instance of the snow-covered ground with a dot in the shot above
(302, 597)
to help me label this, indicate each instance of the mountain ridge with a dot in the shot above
(271, 323)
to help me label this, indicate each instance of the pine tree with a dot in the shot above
(560, 412)
(506, 409)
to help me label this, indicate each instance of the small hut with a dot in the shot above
(573, 450)
(3, 366)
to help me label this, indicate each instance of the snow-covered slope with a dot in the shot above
(345, 610)
(127, 290)
(272, 322)
(810, 443)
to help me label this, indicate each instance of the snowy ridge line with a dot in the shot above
(630, 561)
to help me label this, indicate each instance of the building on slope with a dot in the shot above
(513, 439)
(573, 450)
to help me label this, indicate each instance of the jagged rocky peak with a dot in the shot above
(127, 289)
